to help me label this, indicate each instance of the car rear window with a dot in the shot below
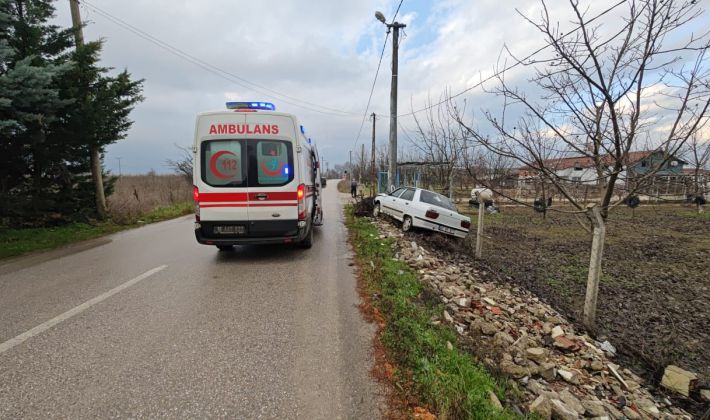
(436, 200)
(246, 163)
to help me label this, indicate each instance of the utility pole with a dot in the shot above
(96, 170)
(362, 163)
(373, 189)
(392, 170)
(350, 166)
(119, 166)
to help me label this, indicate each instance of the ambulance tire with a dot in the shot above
(223, 248)
(307, 243)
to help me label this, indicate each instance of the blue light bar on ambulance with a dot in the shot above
(267, 106)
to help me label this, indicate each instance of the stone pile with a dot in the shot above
(561, 373)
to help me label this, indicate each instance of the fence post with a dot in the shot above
(595, 266)
(479, 229)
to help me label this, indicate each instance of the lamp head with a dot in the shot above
(380, 17)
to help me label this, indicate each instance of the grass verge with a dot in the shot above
(429, 373)
(15, 242)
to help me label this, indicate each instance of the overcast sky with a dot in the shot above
(317, 52)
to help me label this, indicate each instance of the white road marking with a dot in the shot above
(74, 311)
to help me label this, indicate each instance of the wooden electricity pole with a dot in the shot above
(392, 170)
(373, 189)
(96, 170)
(362, 162)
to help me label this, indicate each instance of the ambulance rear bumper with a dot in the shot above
(256, 232)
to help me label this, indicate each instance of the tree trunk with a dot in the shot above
(97, 175)
(595, 267)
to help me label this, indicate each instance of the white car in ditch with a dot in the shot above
(419, 208)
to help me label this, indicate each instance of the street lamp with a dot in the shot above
(392, 168)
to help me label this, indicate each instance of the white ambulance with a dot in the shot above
(256, 178)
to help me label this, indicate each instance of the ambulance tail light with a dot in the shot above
(301, 195)
(431, 214)
(196, 197)
(465, 224)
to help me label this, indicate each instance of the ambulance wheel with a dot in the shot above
(376, 210)
(307, 243)
(406, 224)
(225, 247)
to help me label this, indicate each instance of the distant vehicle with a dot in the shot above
(323, 182)
(419, 208)
(256, 178)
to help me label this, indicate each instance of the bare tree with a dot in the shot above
(439, 140)
(697, 152)
(183, 164)
(602, 88)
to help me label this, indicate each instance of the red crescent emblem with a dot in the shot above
(276, 172)
(213, 164)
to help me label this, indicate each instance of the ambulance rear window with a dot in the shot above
(223, 163)
(273, 164)
(246, 163)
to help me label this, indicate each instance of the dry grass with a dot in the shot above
(137, 195)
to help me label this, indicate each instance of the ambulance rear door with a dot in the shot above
(273, 175)
(222, 180)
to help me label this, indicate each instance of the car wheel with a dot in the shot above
(376, 210)
(407, 224)
(307, 243)
(225, 247)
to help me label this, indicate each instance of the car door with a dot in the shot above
(405, 202)
(389, 203)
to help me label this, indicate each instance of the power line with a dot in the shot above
(397, 11)
(517, 63)
(216, 70)
(372, 89)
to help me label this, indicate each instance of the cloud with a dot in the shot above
(322, 52)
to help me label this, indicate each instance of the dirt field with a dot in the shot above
(654, 298)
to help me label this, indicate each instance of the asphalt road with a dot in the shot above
(149, 324)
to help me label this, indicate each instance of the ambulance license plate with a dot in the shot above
(229, 230)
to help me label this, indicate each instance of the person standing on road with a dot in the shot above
(353, 188)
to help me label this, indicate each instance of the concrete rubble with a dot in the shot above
(679, 380)
(561, 373)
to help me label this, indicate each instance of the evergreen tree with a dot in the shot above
(100, 115)
(33, 56)
(56, 104)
